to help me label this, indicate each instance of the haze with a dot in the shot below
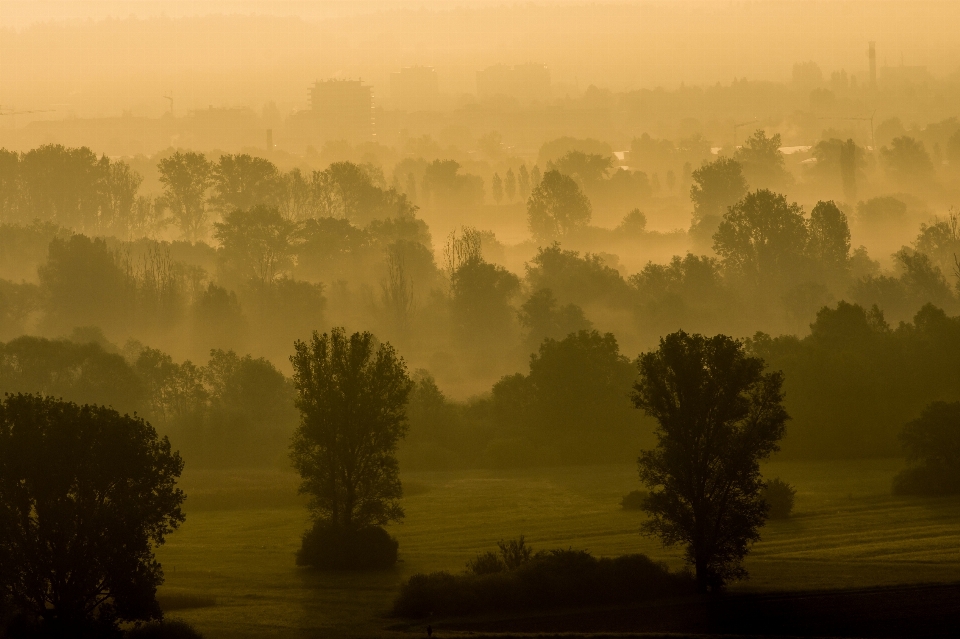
(405, 319)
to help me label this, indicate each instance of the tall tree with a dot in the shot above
(557, 207)
(906, 161)
(762, 161)
(496, 188)
(761, 237)
(828, 242)
(352, 395)
(85, 495)
(243, 181)
(718, 414)
(510, 185)
(255, 244)
(523, 182)
(716, 187)
(9, 186)
(186, 178)
(118, 209)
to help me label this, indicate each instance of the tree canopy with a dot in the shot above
(352, 394)
(718, 414)
(85, 495)
(556, 207)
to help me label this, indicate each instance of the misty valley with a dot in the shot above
(525, 349)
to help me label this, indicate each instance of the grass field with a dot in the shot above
(230, 568)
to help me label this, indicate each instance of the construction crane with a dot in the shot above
(873, 144)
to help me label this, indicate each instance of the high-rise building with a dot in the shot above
(415, 88)
(339, 110)
(872, 54)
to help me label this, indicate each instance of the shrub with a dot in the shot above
(549, 579)
(172, 629)
(634, 500)
(330, 548)
(779, 496)
(486, 563)
(512, 555)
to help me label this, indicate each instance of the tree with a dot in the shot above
(542, 318)
(85, 495)
(557, 207)
(716, 187)
(9, 186)
(120, 184)
(352, 395)
(510, 184)
(587, 168)
(255, 243)
(243, 181)
(84, 285)
(718, 416)
(480, 303)
(828, 242)
(761, 237)
(186, 178)
(445, 187)
(762, 161)
(523, 181)
(906, 161)
(932, 446)
(496, 188)
(61, 184)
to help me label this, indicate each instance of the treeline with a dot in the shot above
(231, 411)
(851, 385)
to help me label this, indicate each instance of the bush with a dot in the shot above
(634, 500)
(779, 496)
(330, 548)
(172, 629)
(512, 555)
(549, 579)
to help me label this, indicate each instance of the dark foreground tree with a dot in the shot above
(85, 494)
(719, 415)
(352, 395)
(932, 446)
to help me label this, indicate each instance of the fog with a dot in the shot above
(551, 274)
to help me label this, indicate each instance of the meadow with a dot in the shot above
(230, 569)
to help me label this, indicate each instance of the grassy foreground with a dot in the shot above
(230, 568)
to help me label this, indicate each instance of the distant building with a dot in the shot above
(415, 88)
(339, 110)
(524, 82)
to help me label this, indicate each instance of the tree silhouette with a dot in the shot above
(718, 416)
(510, 184)
(556, 207)
(352, 394)
(243, 181)
(906, 161)
(761, 237)
(496, 188)
(762, 161)
(716, 187)
(829, 237)
(256, 243)
(186, 178)
(85, 495)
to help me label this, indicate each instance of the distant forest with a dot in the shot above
(512, 365)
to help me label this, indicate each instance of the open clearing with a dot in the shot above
(236, 550)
